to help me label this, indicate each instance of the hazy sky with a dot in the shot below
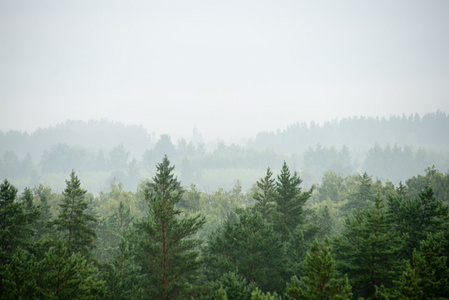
(232, 68)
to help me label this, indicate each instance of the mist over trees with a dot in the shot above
(355, 209)
(104, 152)
(428, 131)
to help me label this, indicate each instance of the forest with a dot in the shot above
(355, 220)
(350, 237)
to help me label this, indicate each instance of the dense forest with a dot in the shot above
(348, 237)
(352, 209)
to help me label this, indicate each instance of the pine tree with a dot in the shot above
(235, 286)
(15, 229)
(320, 275)
(250, 247)
(289, 202)
(19, 278)
(414, 218)
(368, 251)
(68, 277)
(74, 223)
(166, 251)
(109, 232)
(427, 276)
(43, 224)
(265, 196)
(362, 199)
(124, 277)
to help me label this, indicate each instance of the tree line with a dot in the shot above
(349, 237)
(212, 169)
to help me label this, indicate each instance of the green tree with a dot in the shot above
(250, 247)
(166, 251)
(74, 222)
(235, 286)
(259, 295)
(19, 277)
(289, 202)
(320, 275)
(68, 277)
(109, 232)
(427, 276)
(363, 197)
(15, 230)
(368, 250)
(221, 294)
(43, 224)
(124, 277)
(265, 195)
(414, 218)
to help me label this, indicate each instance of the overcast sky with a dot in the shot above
(230, 68)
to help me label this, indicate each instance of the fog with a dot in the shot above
(229, 68)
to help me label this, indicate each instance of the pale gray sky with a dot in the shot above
(232, 68)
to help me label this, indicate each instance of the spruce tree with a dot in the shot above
(427, 276)
(166, 252)
(74, 222)
(68, 277)
(362, 199)
(265, 195)
(15, 230)
(43, 224)
(289, 202)
(235, 286)
(413, 219)
(320, 275)
(250, 247)
(368, 251)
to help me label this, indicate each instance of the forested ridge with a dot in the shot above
(103, 152)
(347, 237)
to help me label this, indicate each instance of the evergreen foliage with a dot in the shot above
(74, 222)
(124, 277)
(394, 252)
(166, 252)
(250, 247)
(368, 250)
(362, 199)
(289, 202)
(15, 232)
(221, 294)
(235, 286)
(414, 218)
(68, 277)
(320, 275)
(427, 276)
(19, 277)
(265, 195)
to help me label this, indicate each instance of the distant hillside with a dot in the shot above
(105, 152)
(428, 131)
(94, 135)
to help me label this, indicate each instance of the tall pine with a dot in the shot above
(74, 222)
(166, 252)
(289, 202)
(265, 195)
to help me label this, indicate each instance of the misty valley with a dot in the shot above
(349, 209)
